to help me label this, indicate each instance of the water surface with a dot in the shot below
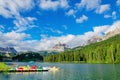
(68, 72)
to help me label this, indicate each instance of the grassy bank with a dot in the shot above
(3, 67)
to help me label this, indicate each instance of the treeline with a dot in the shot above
(28, 56)
(107, 51)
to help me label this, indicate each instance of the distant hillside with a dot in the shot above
(107, 51)
(10, 50)
(28, 56)
(45, 53)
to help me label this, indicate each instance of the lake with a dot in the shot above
(68, 72)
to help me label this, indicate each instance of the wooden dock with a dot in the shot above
(24, 70)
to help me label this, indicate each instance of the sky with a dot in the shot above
(40, 24)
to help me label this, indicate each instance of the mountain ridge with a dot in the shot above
(6, 50)
(105, 51)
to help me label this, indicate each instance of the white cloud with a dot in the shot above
(118, 2)
(89, 4)
(12, 39)
(82, 19)
(113, 26)
(113, 15)
(18, 40)
(29, 45)
(107, 16)
(99, 29)
(65, 27)
(75, 40)
(15, 36)
(53, 5)
(22, 24)
(103, 8)
(64, 4)
(2, 28)
(11, 8)
(31, 18)
(48, 43)
(54, 30)
(43, 36)
(93, 5)
(71, 12)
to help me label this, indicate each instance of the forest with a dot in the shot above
(28, 56)
(107, 51)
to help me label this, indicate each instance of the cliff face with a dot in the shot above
(107, 35)
(8, 50)
(59, 47)
(94, 39)
(112, 33)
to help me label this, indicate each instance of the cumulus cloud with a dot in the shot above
(71, 12)
(22, 24)
(103, 8)
(12, 38)
(54, 30)
(89, 4)
(65, 27)
(2, 28)
(82, 19)
(15, 36)
(77, 40)
(99, 29)
(113, 15)
(18, 40)
(93, 5)
(48, 43)
(11, 8)
(72, 40)
(114, 26)
(21, 41)
(53, 5)
(118, 2)
(107, 16)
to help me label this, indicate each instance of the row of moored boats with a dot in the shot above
(32, 68)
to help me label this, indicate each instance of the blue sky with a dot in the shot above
(39, 24)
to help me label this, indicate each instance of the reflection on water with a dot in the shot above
(69, 72)
(25, 76)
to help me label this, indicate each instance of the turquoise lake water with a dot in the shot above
(68, 72)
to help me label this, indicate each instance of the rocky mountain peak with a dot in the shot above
(112, 33)
(8, 50)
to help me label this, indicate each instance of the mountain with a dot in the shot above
(112, 33)
(106, 51)
(11, 50)
(60, 47)
(94, 39)
(8, 50)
